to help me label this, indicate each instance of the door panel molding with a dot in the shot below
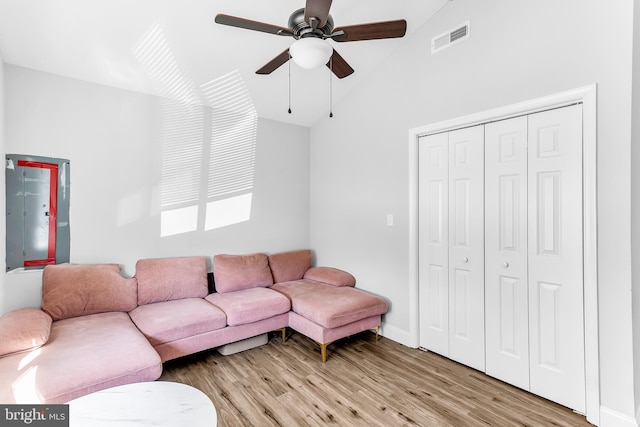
(506, 250)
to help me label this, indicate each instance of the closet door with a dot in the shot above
(466, 247)
(434, 242)
(555, 256)
(506, 281)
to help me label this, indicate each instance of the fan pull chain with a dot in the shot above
(331, 87)
(289, 62)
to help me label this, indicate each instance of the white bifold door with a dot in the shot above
(534, 272)
(452, 244)
(501, 274)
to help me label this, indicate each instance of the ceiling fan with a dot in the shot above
(311, 26)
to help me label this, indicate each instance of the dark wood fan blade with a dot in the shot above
(339, 66)
(372, 31)
(248, 24)
(276, 62)
(317, 9)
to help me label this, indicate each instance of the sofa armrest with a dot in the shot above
(23, 330)
(331, 276)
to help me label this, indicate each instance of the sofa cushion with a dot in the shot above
(287, 266)
(70, 290)
(237, 272)
(328, 305)
(331, 276)
(24, 329)
(250, 305)
(168, 321)
(167, 279)
(83, 355)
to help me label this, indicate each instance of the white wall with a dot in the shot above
(518, 50)
(113, 139)
(635, 203)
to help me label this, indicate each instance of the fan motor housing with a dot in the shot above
(301, 28)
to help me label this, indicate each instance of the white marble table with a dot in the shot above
(157, 403)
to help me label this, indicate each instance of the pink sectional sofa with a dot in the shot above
(97, 329)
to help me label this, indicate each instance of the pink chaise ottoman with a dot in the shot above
(325, 305)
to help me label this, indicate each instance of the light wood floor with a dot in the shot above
(363, 383)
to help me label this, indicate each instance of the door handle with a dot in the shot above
(505, 264)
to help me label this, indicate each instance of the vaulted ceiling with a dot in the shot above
(174, 48)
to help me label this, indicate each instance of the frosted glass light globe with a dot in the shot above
(310, 52)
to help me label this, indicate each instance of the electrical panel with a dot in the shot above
(37, 217)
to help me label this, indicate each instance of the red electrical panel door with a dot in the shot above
(40, 202)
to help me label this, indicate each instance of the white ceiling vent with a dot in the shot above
(451, 37)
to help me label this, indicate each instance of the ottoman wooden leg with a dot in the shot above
(284, 334)
(323, 351)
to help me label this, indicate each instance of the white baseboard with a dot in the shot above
(396, 334)
(611, 418)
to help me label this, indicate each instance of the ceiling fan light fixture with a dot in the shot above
(310, 52)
